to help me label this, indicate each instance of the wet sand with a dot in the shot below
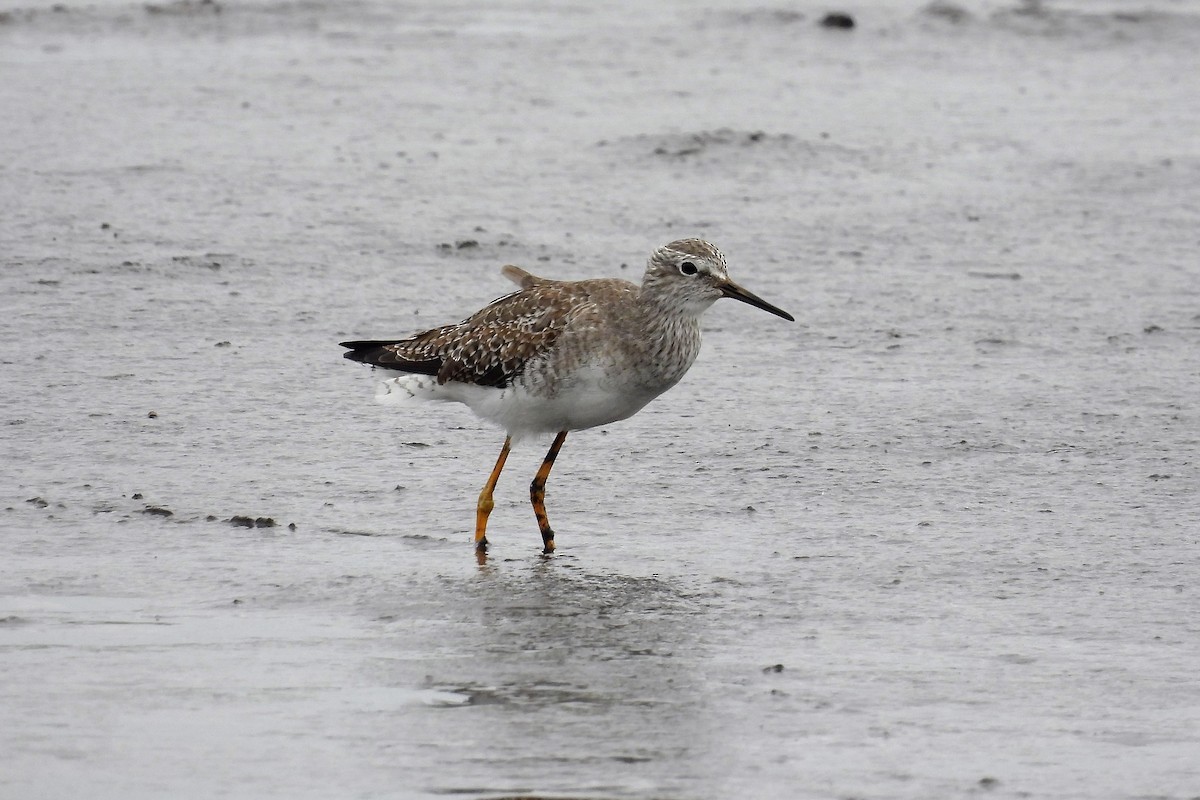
(937, 539)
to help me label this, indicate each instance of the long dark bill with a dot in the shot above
(731, 289)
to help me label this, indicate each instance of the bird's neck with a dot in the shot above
(671, 334)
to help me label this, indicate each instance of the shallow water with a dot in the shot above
(937, 539)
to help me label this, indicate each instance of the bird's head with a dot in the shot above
(690, 275)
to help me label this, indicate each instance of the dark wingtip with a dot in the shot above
(360, 351)
(376, 353)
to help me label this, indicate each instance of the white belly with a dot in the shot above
(590, 398)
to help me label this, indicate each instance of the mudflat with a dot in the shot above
(937, 539)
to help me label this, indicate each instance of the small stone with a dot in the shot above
(837, 20)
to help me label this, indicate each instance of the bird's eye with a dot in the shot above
(688, 268)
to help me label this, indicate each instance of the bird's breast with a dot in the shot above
(638, 354)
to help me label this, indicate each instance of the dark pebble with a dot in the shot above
(837, 20)
(243, 521)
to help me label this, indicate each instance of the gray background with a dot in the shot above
(956, 503)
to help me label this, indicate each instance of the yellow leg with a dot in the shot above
(485, 505)
(537, 492)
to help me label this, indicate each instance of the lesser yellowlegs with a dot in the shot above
(559, 356)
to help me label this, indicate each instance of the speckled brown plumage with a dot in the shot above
(493, 346)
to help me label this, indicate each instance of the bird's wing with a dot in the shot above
(492, 346)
